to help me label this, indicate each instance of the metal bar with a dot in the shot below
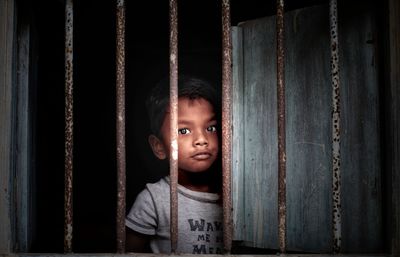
(281, 126)
(68, 165)
(173, 83)
(120, 126)
(226, 124)
(336, 181)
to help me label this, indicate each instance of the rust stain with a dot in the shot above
(336, 177)
(68, 210)
(281, 126)
(226, 125)
(173, 76)
(120, 127)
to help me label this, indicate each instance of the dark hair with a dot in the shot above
(190, 87)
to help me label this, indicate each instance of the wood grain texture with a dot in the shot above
(23, 158)
(308, 130)
(237, 135)
(394, 38)
(308, 96)
(259, 148)
(6, 110)
(360, 144)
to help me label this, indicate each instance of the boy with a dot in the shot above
(199, 209)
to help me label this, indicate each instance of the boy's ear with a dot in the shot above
(158, 147)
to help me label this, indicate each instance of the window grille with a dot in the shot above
(226, 124)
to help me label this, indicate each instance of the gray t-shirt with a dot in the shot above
(199, 219)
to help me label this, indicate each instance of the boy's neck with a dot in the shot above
(200, 182)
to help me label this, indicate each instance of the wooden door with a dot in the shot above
(308, 131)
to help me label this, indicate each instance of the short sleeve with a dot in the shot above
(142, 216)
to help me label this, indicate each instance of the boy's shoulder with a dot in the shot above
(159, 187)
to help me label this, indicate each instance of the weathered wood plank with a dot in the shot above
(260, 134)
(237, 135)
(6, 76)
(360, 132)
(23, 157)
(394, 128)
(308, 143)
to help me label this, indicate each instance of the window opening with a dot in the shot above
(226, 124)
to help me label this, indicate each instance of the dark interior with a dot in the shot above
(147, 61)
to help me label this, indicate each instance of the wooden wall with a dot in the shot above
(6, 110)
(308, 132)
(393, 121)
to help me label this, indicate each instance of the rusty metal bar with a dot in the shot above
(120, 112)
(226, 124)
(281, 126)
(68, 165)
(173, 83)
(336, 181)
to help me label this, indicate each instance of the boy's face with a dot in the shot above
(197, 136)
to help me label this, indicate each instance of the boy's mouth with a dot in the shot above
(201, 156)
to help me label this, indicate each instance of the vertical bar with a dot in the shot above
(173, 83)
(226, 124)
(68, 126)
(336, 181)
(120, 126)
(281, 126)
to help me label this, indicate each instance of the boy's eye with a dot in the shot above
(212, 128)
(183, 131)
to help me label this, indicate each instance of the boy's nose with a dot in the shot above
(200, 140)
